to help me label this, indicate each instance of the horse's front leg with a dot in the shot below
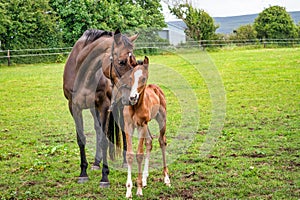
(105, 118)
(129, 157)
(121, 122)
(81, 141)
(148, 145)
(97, 126)
(118, 114)
(142, 131)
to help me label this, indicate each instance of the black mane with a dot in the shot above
(94, 34)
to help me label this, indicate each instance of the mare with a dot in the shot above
(97, 61)
(146, 102)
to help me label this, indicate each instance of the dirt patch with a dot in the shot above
(212, 156)
(255, 154)
(292, 166)
(186, 193)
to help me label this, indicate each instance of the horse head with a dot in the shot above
(121, 58)
(134, 83)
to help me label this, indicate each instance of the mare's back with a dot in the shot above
(70, 71)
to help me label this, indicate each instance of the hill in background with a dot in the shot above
(228, 24)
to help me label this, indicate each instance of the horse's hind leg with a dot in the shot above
(161, 119)
(81, 141)
(97, 126)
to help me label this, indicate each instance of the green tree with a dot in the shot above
(200, 25)
(275, 22)
(74, 17)
(152, 10)
(244, 32)
(4, 17)
(298, 29)
(28, 24)
(79, 15)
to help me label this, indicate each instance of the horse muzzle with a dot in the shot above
(134, 99)
(125, 102)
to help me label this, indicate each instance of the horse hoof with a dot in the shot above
(83, 179)
(124, 165)
(95, 167)
(104, 184)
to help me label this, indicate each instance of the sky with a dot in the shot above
(225, 8)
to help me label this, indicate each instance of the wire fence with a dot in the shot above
(58, 54)
(265, 43)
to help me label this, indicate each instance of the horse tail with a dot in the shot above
(114, 136)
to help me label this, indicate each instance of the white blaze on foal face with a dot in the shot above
(134, 93)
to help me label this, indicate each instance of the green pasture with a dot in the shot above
(255, 155)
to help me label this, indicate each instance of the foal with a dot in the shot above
(146, 102)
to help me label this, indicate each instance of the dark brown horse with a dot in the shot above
(96, 62)
(147, 102)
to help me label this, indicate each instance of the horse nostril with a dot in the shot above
(133, 98)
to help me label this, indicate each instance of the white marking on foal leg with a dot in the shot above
(145, 172)
(129, 183)
(147, 158)
(139, 192)
(167, 180)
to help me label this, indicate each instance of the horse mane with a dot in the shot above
(94, 34)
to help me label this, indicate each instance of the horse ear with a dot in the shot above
(117, 36)
(134, 37)
(117, 31)
(146, 62)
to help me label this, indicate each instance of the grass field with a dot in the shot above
(256, 154)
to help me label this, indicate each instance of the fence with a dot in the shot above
(57, 54)
(259, 43)
(43, 53)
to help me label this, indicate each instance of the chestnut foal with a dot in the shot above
(146, 102)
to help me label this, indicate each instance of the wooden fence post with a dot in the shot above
(8, 57)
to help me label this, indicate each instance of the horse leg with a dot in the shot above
(129, 158)
(105, 115)
(142, 131)
(97, 126)
(148, 144)
(81, 141)
(121, 122)
(124, 165)
(118, 114)
(161, 119)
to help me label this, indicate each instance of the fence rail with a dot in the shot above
(203, 44)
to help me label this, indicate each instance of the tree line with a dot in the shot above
(32, 24)
(28, 24)
(272, 23)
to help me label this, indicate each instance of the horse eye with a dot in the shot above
(122, 62)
